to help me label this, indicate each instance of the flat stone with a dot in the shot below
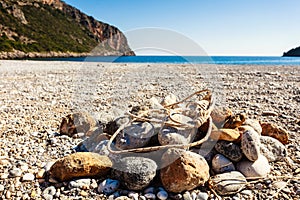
(275, 131)
(80, 183)
(250, 145)
(228, 183)
(82, 164)
(28, 177)
(202, 196)
(226, 134)
(135, 173)
(184, 170)
(272, 149)
(229, 150)
(269, 113)
(221, 164)
(135, 135)
(255, 169)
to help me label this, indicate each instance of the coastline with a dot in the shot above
(35, 95)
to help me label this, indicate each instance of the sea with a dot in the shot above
(220, 60)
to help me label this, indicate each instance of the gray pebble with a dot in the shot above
(16, 172)
(202, 196)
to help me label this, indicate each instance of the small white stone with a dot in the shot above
(28, 177)
(133, 195)
(16, 172)
(1, 188)
(202, 196)
(162, 195)
(108, 186)
(150, 196)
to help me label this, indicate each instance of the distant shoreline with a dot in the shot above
(220, 60)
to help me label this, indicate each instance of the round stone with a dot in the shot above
(221, 164)
(250, 145)
(170, 135)
(184, 170)
(135, 172)
(162, 195)
(49, 192)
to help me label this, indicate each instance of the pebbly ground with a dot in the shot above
(35, 95)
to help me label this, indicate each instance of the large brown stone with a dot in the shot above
(184, 170)
(275, 131)
(82, 164)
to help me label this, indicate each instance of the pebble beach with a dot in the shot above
(36, 95)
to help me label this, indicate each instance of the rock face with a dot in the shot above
(184, 170)
(135, 172)
(73, 33)
(83, 164)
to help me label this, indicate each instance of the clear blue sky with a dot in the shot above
(220, 27)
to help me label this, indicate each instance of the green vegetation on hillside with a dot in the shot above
(48, 29)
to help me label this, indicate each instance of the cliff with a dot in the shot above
(293, 52)
(52, 28)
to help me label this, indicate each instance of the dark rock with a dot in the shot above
(135, 173)
(230, 150)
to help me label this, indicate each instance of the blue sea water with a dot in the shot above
(222, 60)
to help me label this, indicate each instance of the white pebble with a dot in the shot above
(162, 195)
(150, 196)
(202, 196)
(28, 177)
(133, 195)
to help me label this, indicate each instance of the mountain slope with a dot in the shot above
(39, 28)
(292, 52)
